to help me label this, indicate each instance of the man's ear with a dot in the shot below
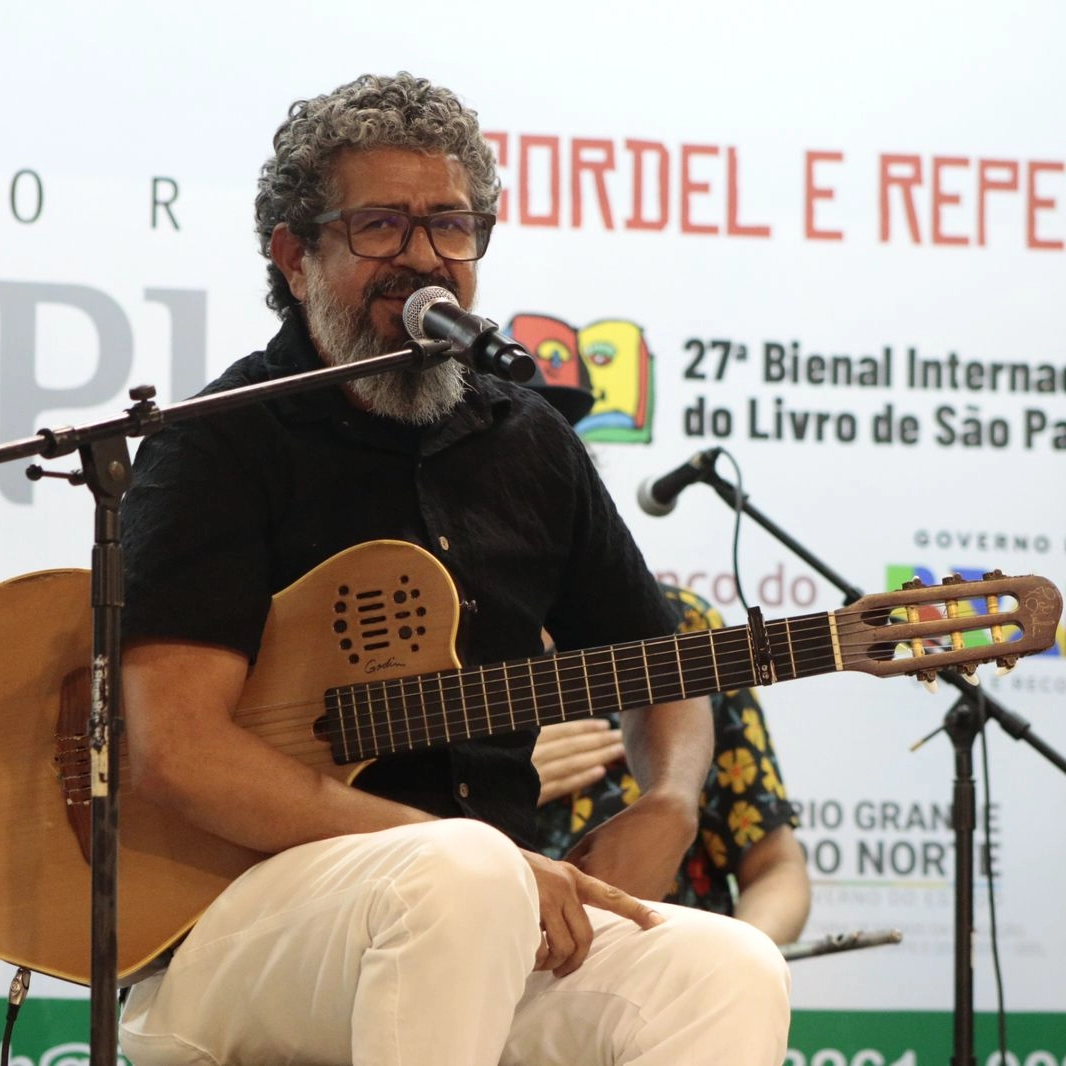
(287, 251)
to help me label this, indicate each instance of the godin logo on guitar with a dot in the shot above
(373, 666)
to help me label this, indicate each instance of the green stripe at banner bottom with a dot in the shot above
(54, 1032)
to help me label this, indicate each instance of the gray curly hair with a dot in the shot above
(371, 112)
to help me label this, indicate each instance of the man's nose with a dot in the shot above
(419, 254)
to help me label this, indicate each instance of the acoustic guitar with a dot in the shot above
(358, 660)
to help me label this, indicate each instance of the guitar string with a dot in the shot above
(448, 687)
(567, 667)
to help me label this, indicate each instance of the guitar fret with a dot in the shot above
(355, 722)
(680, 672)
(585, 678)
(494, 683)
(339, 697)
(779, 640)
(533, 691)
(485, 695)
(791, 648)
(548, 702)
(424, 694)
(601, 680)
(454, 707)
(647, 672)
(406, 715)
(714, 661)
(661, 666)
(571, 677)
(462, 703)
(738, 673)
(372, 715)
(472, 714)
(443, 709)
(559, 686)
(632, 682)
(614, 678)
(388, 712)
(522, 695)
(507, 689)
(820, 633)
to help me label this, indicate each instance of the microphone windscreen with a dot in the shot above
(415, 307)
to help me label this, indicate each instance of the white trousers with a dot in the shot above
(415, 947)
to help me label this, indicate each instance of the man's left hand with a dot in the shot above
(640, 849)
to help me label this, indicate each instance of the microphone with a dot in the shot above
(433, 313)
(658, 496)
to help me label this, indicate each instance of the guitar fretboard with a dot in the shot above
(404, 714)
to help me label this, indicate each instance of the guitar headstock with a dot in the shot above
(921, 629)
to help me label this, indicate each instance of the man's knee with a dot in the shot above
(712, 942)
(473, 864)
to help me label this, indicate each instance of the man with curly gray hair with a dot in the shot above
(401, 915)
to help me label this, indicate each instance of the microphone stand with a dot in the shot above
(107, 471)
(964, 720)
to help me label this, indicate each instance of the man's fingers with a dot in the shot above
(600, 894)
(568, 933)
(559, 942)
(564, 892)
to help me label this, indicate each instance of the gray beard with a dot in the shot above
(346, 334)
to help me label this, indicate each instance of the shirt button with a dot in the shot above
(443, 542)
(464, 790)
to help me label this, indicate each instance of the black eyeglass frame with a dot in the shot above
(345, 215)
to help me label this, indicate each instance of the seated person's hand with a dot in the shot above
(573, 755)
(564, 892)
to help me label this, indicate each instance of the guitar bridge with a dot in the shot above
(72, 757)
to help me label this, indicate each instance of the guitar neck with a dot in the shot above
(404, 714)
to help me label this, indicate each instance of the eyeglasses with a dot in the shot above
(381, 233)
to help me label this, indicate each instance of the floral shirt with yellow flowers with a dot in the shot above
(743, 798)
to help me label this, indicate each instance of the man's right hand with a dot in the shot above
(567, 932)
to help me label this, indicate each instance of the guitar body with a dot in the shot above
(170, 871)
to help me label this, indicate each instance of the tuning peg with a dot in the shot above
(1005, 665)
(969, 673)
(927, 678)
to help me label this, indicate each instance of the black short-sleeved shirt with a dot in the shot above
(228, 510)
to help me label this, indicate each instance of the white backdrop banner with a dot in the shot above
(828, 239)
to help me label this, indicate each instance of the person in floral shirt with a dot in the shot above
(745, 860)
